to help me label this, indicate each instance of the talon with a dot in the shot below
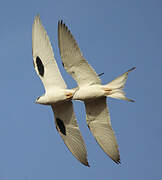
(69, 96)
(107, 91)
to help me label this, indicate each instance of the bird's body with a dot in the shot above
(54, 96)
(56, 93)
(91, 92)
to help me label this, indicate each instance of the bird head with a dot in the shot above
(40, 100)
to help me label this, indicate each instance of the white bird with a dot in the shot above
(56, 93)
(92, 92)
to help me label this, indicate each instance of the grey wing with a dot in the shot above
(73, 60)
(98, 121)
(68, 129)
(43, 57)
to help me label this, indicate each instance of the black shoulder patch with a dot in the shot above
(40, 66)
(61, 126)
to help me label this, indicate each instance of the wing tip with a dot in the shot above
(117, 161)
(61, 24)
(115, 157)
(133, 68)
(129, 100)
(37, 18)
(86, 164)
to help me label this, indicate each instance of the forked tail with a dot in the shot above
(114, 89)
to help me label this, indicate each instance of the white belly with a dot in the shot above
(89, 92)
(57, 95)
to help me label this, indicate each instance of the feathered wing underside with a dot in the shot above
(73, 60)
(98, 121)
(44, 61)
(68, 129)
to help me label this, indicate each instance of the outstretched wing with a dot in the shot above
(98, 121)
(68, 129)
(73, 60)
(44, 61)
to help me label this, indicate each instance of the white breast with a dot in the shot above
(55, 95)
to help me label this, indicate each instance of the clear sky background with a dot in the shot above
(113, 36)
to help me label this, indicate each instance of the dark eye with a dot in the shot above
(38, 98)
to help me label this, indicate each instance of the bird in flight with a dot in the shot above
(91, 91)
(56, 93)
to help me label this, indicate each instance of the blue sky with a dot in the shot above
(113, 36)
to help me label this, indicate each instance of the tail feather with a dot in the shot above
(116, 87)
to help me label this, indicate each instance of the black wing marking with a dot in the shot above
(40, 66)
(61, 126)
